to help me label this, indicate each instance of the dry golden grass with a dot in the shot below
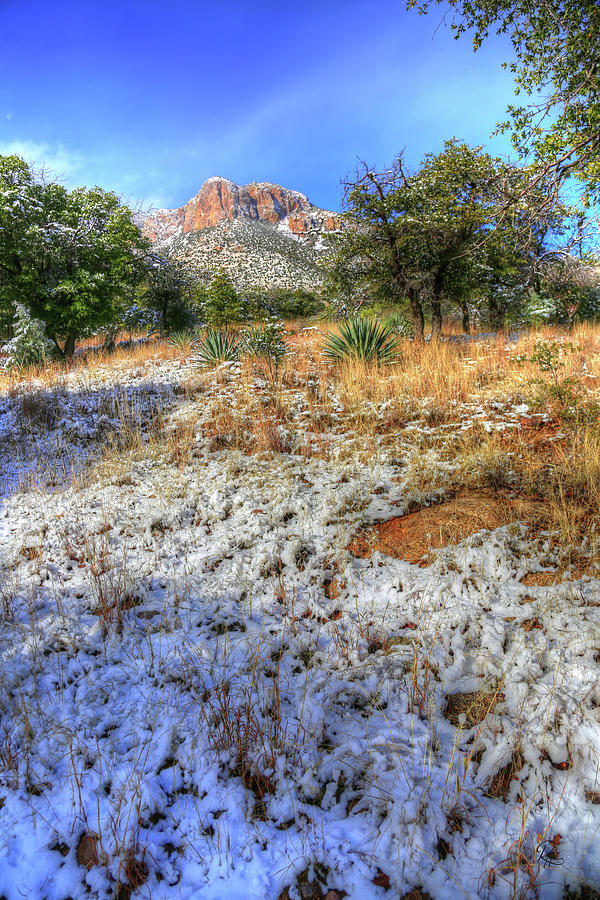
(475, 707)
(433, 388)
(89, 364)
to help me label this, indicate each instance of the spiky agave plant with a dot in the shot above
(181, 340)
(215, 347)
(363, 339)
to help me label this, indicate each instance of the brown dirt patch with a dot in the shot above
(412, 536)
(416, 894)
(541, 579)
(499, 785)
(476, 706)
(332, 588)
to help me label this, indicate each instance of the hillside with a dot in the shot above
(332, 638)
(261, 234)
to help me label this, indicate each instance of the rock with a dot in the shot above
(263, 235)
(87, 850)
(220, 199)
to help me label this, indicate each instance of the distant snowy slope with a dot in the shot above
(261, 234)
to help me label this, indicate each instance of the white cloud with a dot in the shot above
(74, 168)
(9, 116)
(56, 161)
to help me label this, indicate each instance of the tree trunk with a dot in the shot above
(466, 320)
(436, 317)
(496, 314)
(69, 347)
(417, 316)
(109, 339)
(59, 349)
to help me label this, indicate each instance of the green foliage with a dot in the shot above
(555, 45)
(572, 287)
(182, 340)
(29, 346)
(398, 323)
(222, 306)
(359, 338)
(286, 303)
(22, 217)
(215, 347)
(267, 343)
(550, 356)
(564, 400)
(169, 294)
(435, 237)
(538, 310)
(391, 316)
(76, 258)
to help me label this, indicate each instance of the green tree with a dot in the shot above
(223, 306)
(377, 256)
(287, 303)
(73, 258)
(569, 288)
(417, 235)
(29, 345)
(557, 65)
(22, 221)
(439, 237)
(170, 293)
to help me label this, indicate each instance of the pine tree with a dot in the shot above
(223, 307)
(29, 346)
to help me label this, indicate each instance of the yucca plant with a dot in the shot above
(362, 339)
(215, 347)
(400, 325)
(181, 340)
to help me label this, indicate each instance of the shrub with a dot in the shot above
(287, 303)
(29, 346)
(550, 356)
(215, 347)
(182, 340)
(398, 323)
(266, 342)
(362, 339)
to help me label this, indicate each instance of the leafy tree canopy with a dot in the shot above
(169, 293)
(557, 64)
(435, 236)
(74, 258)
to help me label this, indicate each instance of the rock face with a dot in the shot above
(219, 200)
(262, 234)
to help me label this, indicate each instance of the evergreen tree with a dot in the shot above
(29, 345)
(223, 306)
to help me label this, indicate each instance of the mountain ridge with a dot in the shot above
(263, 235)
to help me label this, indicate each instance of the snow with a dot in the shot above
(112, 728)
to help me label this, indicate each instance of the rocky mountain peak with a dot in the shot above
(220, 199)
(263, 235)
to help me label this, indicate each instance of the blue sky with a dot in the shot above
(151, 98)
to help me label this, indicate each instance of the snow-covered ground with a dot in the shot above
(204, 694)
